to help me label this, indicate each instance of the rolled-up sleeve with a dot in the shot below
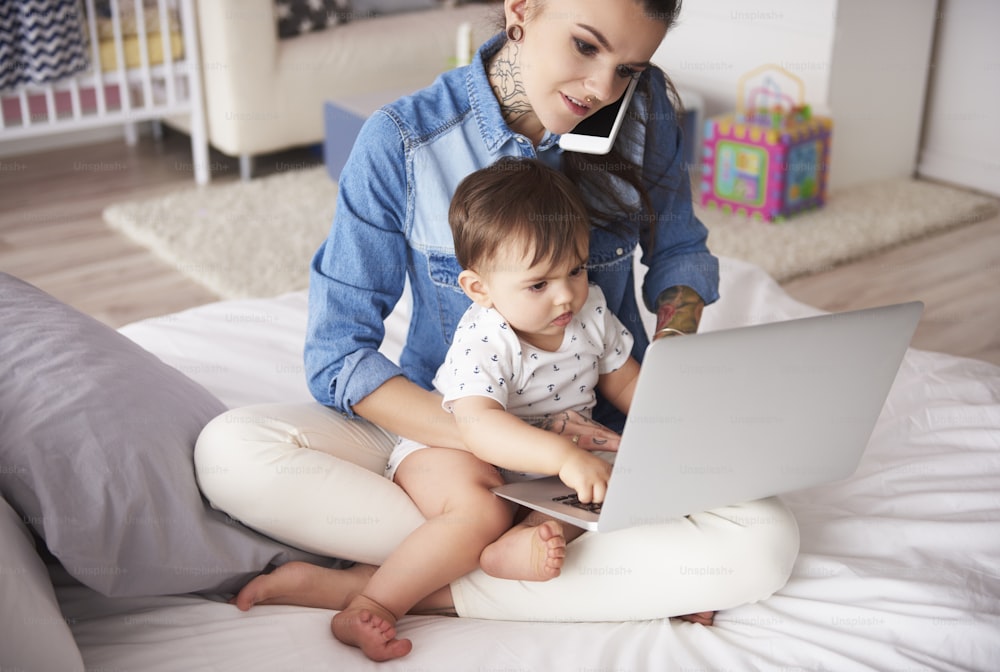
(358, 273)
(675, 249)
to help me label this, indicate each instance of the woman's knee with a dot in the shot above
(250, 442)
(769, 546)
(267, 469)
(234, 453)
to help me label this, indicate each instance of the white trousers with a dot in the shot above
(310, 477)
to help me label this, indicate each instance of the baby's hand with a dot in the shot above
(587, 474)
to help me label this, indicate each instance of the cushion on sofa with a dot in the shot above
(296, 17)
(96, 444)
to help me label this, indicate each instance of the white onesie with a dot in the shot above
(487, 359)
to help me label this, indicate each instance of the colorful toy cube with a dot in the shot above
(770, 159)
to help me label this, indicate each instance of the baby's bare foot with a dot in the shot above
(370, 627)
(526, 553)
(305, 585)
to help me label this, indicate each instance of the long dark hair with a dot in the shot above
(596, 175)
(601, 177)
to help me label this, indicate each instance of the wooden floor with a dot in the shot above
(52, 235)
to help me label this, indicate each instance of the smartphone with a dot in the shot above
(596, 134)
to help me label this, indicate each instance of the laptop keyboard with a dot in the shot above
(573, 500)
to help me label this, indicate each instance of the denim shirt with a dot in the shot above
(391, 223)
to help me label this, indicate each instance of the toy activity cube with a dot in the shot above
(770, 159)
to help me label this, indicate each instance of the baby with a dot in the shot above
(538, 341)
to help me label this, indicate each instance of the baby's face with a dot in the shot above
(539, 300)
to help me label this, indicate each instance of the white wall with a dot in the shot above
(863, 62)
(878, 85)
(717, 41)
(962, 129)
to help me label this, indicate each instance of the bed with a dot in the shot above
(899, 568)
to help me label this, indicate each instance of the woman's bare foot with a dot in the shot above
(527, 553)
(372, 628)
(305, 585)
(701, 618)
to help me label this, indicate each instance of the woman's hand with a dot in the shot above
(582, 431)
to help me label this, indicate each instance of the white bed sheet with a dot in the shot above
(898, 568)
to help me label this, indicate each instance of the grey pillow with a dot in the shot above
(96, 443)
(34, 634)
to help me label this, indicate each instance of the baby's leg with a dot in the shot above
(533, 550)
(452, 490)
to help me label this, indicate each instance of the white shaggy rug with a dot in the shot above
(256, 238)
(241, 239)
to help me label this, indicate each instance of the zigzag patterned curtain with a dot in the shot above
(41, 41)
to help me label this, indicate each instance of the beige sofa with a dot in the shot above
(265, 94)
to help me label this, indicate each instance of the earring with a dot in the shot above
(515, 33)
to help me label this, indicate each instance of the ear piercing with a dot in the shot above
(515, 33)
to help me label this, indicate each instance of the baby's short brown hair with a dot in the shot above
(518, 200)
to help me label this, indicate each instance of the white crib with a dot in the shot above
(143, 66)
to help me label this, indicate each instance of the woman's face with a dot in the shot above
(577, 56)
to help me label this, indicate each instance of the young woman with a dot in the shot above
(557, 62)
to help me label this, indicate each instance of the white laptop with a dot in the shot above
(725, 417)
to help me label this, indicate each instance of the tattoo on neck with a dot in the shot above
(505, 78)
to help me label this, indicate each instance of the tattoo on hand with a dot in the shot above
(550, 421)
(561, 421)
(679, 308)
